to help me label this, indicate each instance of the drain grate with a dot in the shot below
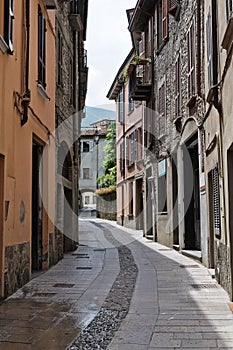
(44, 294)
(84, 268)
(189, 266)
(205, 286)
(99, 250)
(63, 285)
(81, 255)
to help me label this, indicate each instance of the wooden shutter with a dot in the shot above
(209, 49)
(9, 23)
(136, 145)
(127, 150)
(132, 148)
(41, 47)
(191, 42)
(164, 19)
(216, 201)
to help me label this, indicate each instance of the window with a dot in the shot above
(86, 146)
(209, 49)
(9, 23)
(161, 15)
(162, 186)
(59, 59)
(131, 103)
(87, 200)
(177, 87)
(121, 107)
(127, 150)
(86, 173)
(173, 7)
(191, 38)
(161, 110)
(122, 157)
(229, 9)
(41, 48)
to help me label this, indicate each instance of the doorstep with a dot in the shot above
(194, 254)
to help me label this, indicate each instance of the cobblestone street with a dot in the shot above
(118, 290)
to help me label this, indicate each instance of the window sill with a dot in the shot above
(42, 92)
(3, 45)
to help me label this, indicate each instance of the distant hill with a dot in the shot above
(94, 114)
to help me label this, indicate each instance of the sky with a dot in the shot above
(108, 44)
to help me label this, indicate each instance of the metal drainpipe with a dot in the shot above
(26, 98)
(217, 104)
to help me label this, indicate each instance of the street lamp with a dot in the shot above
(96, 141)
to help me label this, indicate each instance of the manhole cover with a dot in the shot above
(63, 285)
(84, 268)
(205, 286)
(44, 294)
(189, 266)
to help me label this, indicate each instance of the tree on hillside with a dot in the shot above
(109, 178)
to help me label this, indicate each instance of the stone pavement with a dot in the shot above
(175, 303)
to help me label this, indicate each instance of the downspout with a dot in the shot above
(27, 94)
(217, 104)
(216, 101)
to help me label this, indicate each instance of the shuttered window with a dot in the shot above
(191, 42)
(132, 148)
(127, 150)
(121, 107)
(9, 23)
(177, 87)
(161, 15)
(122, 157)
(216, 201)
(41, 48)
(209, 49)
(161, 110)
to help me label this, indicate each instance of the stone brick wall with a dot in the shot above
(106, 206)
(17, 267)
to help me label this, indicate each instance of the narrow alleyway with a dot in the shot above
(118, 291)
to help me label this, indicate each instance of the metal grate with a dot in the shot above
(189, 266)
(165, 250)
(84, 268)
(99, 250)
(44, 294)
(63, 285)
(84, 256)
(205, 286)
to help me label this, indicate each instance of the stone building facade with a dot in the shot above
(187, 126)
(71, 87)
(218, 138)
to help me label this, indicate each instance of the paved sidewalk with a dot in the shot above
(175, 304)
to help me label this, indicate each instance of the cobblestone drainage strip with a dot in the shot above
(205, 286)
(100, 332)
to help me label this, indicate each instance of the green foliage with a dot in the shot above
(109, 179)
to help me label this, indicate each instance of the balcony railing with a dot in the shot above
(140, 88)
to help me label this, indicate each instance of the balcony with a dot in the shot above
(140, 90)
(76, 16)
